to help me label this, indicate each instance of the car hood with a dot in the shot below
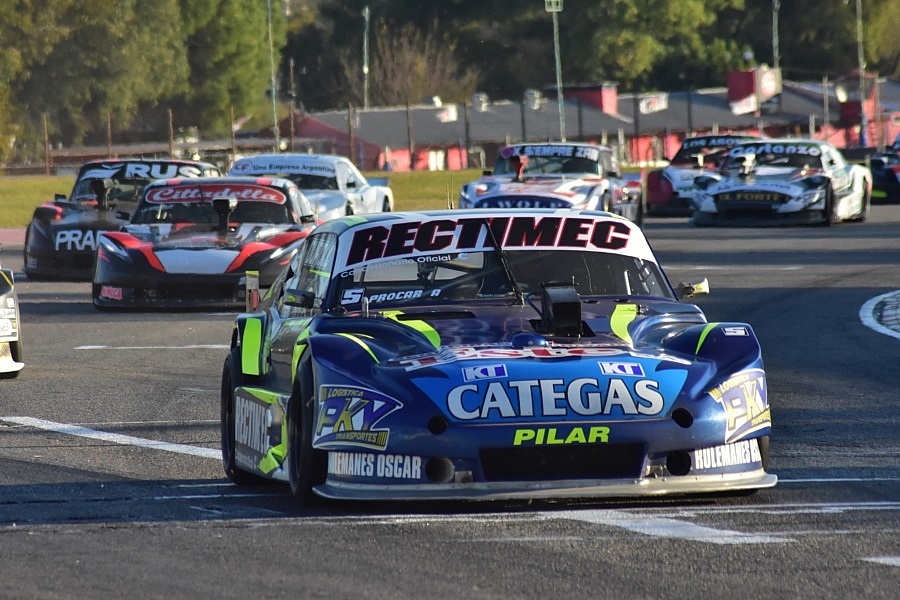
(682, 178)
(328, 204)
(189, 250)
(775, 179)
(494, 364)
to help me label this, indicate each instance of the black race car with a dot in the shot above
(885, 168)
(61, 239)
(191, 242)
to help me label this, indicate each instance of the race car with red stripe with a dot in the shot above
(490, 354)
(190, 242)
(670, 190)
(556, 175)
(61, 238)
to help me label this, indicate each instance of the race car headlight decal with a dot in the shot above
(421, 326)
(111, 247)
(362, 344)
(704, 182)
(813, 197)
(279, 252)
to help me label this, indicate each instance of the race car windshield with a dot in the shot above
(475, 276)
(549, 165)
(123, 189)
(712, 156)
(268, 213)
(313, 182)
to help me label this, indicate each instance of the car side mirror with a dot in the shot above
(59, 197)
(487, 172)
(123, 216)
(299, 298)
(689, 290)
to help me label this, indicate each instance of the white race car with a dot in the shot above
(783, 181)
(669, 190)
(10, 328)
(333, 184)
(556, 175)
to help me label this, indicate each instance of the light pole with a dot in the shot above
(366, 59)
(553, 7)
(863, 120)
(272, 80)
(776, 54)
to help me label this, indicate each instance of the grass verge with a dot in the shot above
(417, 190)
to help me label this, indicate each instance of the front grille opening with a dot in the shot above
(541, 463)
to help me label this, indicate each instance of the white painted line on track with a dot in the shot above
(867, 314)
(838, 480)
(806, 508)
(668, 528)
(891, 561)
(732, 268)
(114, 438)
(186, 347)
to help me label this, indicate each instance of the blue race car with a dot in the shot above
(490, 354)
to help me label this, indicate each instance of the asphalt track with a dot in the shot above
(111, 485)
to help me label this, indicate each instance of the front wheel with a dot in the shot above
(230, 379)
(864, 210)
(606, 202)
(831, 217)
(306, 465)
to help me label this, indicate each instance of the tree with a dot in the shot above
(28, 31)
(227, 45)
(113, 58)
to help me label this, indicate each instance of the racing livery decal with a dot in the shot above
(547, 398)
(553, 436)
(745, 402)
(380, 466)
(727, 458)
(448, 235)
(348, 415)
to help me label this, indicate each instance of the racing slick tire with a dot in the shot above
(605, 202)
(306, 465)
(639, 212)
(231, 378)
(764, 451)
(866, 203)
(16, 348)
(831, 217)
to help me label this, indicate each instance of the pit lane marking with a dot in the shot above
(114, 438)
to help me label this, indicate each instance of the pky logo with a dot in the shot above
(75, 239)
(348, 417)
(484, 372)
(628, 369)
